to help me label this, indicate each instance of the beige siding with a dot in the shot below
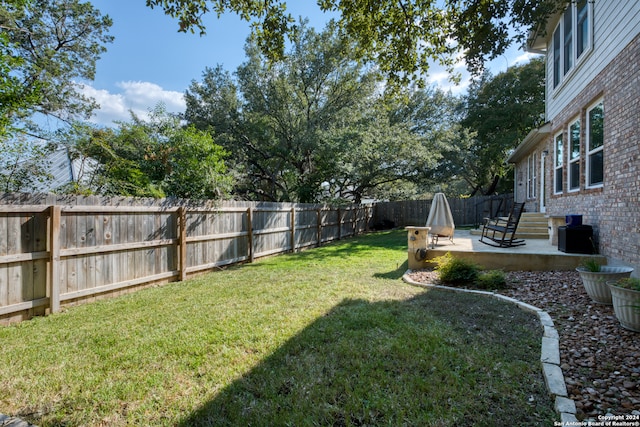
(616, 23)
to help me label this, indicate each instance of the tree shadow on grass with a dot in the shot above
(439, 358)
(394, 274)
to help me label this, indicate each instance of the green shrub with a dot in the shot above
(591, 264)
(456, 271)
(632, 283)
(492, 279)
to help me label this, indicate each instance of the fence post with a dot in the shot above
(339, 224)
(319, 226)
(293, 229)
(250, 233)
(182, 224)
(366, 219)
(54, 273)
(354, 217)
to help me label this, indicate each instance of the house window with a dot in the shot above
(557, 164)
(595, 145)
(571, 38)
(582, 27)
(568, 39)
(531, 176)
(556, 57)
(574, 156)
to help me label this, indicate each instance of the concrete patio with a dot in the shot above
(536, 255)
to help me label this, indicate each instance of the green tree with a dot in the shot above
(394, 147)
(500, 111)
(23, 164)
(156, 157)
(47, 48)
(402, 37)
(196, 169)
(14, 96)
(316, 126)
(114, 160)
(277, 137)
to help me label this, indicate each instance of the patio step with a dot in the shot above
(532, 225)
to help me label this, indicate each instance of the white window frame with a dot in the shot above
(532, 176)
(567, 39)
(573, 161)
(588, 152)
(558, 165)
(563, 67)
(588, 5)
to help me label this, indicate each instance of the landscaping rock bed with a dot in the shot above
(600, 360)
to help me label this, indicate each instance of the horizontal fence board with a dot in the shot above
(34, 303)
(30, 256)
(119, 285)
(119, 247)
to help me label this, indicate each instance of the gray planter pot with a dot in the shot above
(595, 282)
(626, 305)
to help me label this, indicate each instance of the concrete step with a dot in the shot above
(520, 234)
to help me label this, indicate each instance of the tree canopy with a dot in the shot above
(403, 37)
(47, 47)
(317, 125)
(501, 111)
(157, 157)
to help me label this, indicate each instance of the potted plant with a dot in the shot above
(626, 302)
(595, 278)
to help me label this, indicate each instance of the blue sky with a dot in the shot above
(150, 61)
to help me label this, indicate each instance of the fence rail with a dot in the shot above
(55, 255)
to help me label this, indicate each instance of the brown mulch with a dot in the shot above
(600, 360)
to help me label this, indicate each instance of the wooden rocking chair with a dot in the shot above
(500, 232)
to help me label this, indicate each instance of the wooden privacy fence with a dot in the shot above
(466, 211)
(57, 255)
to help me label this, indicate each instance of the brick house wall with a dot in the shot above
(614, 209)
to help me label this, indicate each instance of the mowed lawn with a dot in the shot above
(330, 336)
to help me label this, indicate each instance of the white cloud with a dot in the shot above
(442, 80)
(525, 57)
(138, 97)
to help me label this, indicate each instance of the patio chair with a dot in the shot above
(500, 232)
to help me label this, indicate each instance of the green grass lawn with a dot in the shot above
(329, 337)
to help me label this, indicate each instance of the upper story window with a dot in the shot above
(582, 27)
(595, 145)
(571, 38)
(557, 163)
(567, 58)
(574, 156)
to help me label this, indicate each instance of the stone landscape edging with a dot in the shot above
(549, 354)
(7, 421)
